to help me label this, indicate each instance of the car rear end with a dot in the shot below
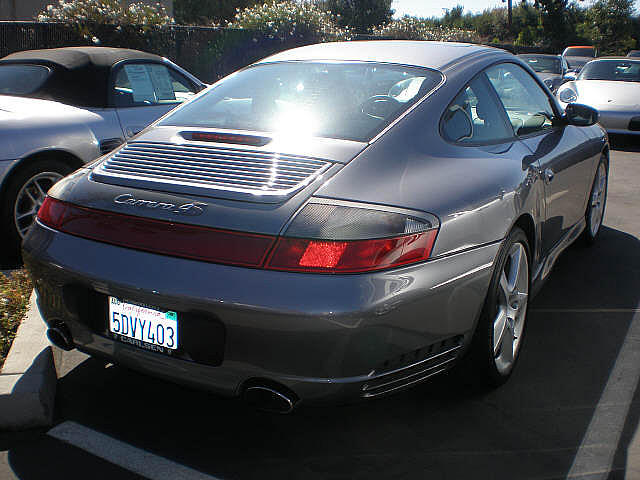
(201, 255)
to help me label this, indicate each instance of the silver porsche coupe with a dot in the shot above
(611, 85)
(335, 222)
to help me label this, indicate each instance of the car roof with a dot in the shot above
(436, 55)
(81, 57)
(80, 75)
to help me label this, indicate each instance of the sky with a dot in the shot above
(427, 8)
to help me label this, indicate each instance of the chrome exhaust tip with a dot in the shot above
(270, 398)
(60, 336)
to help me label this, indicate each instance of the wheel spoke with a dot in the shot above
(506, 353)
(504, 286)
(499, 329)
(42, 192)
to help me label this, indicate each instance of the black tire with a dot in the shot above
(481, 358)
(11, 252)
(591, 231)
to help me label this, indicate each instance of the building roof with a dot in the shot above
(436, 55)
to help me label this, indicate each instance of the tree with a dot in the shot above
(611, 26)
(207, 12)
(555, 22)
(361, 15)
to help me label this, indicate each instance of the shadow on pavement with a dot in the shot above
(625, 143)
(529, 428)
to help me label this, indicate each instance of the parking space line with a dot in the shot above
(608, 422)
(124, 455)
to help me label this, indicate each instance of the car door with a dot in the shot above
(560, 150)
(142, 92)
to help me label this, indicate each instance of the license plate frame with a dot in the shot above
(144, 326)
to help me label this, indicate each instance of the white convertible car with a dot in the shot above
(63, 107)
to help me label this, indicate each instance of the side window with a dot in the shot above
(140, 84)
(474, 116)
(528, 107)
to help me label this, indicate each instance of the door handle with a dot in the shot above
(548, 175)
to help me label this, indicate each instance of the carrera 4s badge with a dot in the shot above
(190, 208)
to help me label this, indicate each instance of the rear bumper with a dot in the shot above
(326, 337)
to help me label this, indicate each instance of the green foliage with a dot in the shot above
(611, 26)
(413, 28)
(112, 12)
(15, 290)
(207, 12)
(361, 15)
(290, 19)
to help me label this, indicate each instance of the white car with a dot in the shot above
(611, 85)
(63, 107)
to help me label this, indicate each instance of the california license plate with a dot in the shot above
(135, 323)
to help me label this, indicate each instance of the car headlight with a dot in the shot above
(568, 95)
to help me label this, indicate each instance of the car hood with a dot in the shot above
(608, 95)
(544, 76)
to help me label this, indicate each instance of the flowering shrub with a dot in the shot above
(287, 19)
(110, 12)
(412, 28)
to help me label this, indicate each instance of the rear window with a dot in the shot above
(22, 79)
(352, 101)
(580, 52)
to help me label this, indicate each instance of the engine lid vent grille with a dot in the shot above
(201, 169)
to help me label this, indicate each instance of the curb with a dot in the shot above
(28, 378)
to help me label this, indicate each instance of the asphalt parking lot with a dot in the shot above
(571, 409)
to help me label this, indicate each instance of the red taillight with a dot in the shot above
(157, 236)
(302, 255)
(237, 248)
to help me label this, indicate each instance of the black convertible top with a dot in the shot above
(80, 75)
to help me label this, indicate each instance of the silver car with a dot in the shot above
(335, 222)
(60, 108)
(611, 85)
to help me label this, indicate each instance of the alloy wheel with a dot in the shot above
(30, 198)
(513, 294)
(597, 199)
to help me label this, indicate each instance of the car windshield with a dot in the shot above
(580, 52)
(544, 64)
(622, 70)
(352, 101)
(21, 79)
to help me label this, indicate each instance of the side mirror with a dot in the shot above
(580, 115)
(570, 76)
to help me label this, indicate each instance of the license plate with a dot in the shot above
(143, 323)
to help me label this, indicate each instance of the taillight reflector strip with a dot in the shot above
(157, 236)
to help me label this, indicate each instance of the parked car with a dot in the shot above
(612, 86)
(577, 56)
(62, 107)
(337, 221)
(633, 53)
(551, 69)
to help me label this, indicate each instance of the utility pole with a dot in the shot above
(509, 12)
